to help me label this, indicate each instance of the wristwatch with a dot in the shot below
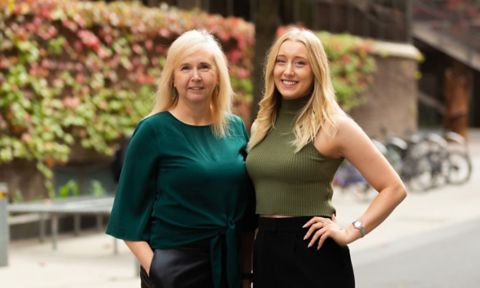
(359, 226)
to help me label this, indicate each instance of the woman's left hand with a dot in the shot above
(321, 228)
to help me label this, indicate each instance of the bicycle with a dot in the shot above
(408, 158)
(460, 164)
(429, 161)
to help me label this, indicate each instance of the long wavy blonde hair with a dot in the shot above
(221, 101)
(319, 112)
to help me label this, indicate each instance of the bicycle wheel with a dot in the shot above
(394, 157)
(439, 165)
(396, 151)
(417, 173)
(460, 167)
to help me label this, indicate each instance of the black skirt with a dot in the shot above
(283, 260)
(178, 268)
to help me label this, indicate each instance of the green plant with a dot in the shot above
(97, 189)
(351, 66)
(82, 74)
(71, 188)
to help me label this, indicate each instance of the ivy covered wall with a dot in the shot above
(77, 76)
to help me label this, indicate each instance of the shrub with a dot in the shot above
(351, 66)
(83, 73)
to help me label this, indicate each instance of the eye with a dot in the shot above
(279, 61)
(300, 63)
(185, 68)
(205, 67)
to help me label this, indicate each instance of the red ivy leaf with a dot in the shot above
(89, 39)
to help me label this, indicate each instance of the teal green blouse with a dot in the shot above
(180, 184)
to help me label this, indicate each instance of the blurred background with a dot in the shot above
(76, 76)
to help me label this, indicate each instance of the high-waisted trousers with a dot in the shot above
(178, 268)
(283, 260)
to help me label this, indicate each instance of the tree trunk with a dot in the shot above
(266, 22)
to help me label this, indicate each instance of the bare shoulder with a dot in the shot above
(345, 125)
(329, 138)
(349, 135)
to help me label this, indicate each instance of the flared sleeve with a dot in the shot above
(134, 199)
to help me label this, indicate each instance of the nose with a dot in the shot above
(196, 74)
(289, 69)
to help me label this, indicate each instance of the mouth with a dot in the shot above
(195, 88)
(289, 83)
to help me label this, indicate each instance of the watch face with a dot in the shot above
(358, 225)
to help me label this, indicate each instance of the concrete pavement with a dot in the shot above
(84, 261)
(88, 260)
(442, 258)
(420, 212)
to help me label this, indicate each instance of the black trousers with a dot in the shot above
(178, 268)
(283, 260)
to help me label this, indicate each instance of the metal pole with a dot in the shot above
(4, 229)
(408, 21)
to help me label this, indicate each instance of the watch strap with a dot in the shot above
(359, 226)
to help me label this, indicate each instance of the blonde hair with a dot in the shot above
(321, 108)
(187, 43)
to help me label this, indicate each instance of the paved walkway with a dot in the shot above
(88, 260)
(420, 212)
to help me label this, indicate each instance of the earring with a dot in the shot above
(174, 92)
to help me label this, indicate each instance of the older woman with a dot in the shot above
(300, 137)
(184, 194)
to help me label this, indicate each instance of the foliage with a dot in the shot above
(97, 188)
(71, 188)
(351, 66)
(83, 73)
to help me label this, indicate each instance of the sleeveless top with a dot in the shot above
(288, 183)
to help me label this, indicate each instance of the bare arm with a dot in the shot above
(142, 251)
(352, 143)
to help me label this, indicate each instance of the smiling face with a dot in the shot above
(292, 72)
(196, 77)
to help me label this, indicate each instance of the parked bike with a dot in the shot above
(430, 160)
(407, 158)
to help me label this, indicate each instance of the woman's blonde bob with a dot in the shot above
(221, 100)
(321, 109)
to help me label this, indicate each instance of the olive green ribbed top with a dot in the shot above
(288, 183)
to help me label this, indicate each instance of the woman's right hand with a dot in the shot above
(148, 265)
(142, 252)
(320, 228)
